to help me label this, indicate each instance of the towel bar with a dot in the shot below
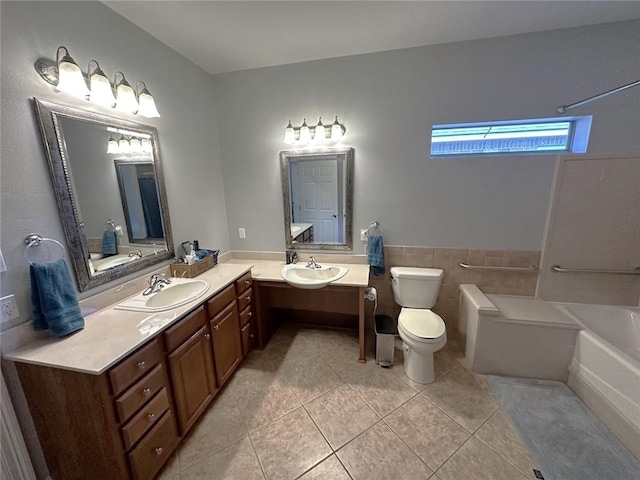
(559, 269)
(34, 240)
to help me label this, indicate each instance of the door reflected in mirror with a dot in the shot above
(318, 198)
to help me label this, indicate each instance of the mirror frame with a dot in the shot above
(48, 114)
(349, 154)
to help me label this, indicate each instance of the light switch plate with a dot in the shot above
(242, 233)
(363, 234)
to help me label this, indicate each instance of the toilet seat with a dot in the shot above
(421, 325)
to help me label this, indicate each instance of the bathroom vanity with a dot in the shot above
(115, 399)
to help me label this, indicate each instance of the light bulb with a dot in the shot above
(289, 134)
(101, 92)
(318, 136)
(112, 145)
(305, 133)
(336, 131)
(70, 79)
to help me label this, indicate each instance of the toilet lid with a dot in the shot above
(421, 323)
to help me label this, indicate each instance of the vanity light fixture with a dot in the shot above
(125, 96)
(70, 79)
(304, 137)
(65, 75)
(101, 92)
(112, 145)
(146, 102)
(305, 133)
(289, 134)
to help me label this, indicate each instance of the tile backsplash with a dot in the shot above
(448, 259)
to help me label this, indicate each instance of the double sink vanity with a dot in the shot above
(115, 399)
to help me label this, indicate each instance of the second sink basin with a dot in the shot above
(308, 278)
(179, 292)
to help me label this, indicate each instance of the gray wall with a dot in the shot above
(388, 101)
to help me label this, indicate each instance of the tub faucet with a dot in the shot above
(312, 263)
(136, 253)
(156, 282)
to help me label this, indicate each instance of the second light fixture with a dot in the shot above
(304, 134)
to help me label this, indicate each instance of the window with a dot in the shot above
(539, 135)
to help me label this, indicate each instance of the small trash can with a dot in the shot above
(386, 332)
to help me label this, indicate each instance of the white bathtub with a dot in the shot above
(605, 368)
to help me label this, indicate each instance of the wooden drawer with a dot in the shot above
(246, 315)
(178, 334)
(155, 448)
(244, 300)
(130, 401)
(220, 301)
(243, 283)
(145, 419)
(136, 366)
(248, 337)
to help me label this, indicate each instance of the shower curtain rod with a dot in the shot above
(564, 108)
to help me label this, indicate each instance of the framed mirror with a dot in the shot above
(115, 220)
(317, 193)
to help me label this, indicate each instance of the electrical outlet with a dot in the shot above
(9, 308)
(242, 233)
(363, 234)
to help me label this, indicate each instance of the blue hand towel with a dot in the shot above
(53, 299)
(375, 254)
(109, 243)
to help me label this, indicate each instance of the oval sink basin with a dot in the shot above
(179, 292)
(115, 261)
(302, 277)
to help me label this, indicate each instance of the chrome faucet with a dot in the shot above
(136, 253)
(312, 263)
(156, 282)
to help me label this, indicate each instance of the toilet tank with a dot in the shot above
(415, 287)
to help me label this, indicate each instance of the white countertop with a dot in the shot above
(110, 335)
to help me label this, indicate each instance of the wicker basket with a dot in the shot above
(183, 270)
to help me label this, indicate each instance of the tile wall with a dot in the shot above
(448, 259)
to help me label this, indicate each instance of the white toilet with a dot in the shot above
(423, 332)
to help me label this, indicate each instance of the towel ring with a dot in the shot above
(110, 225)
(377, 230)
(34, 240)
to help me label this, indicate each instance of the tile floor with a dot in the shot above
(305, 408)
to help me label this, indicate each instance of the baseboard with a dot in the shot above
(617, 422)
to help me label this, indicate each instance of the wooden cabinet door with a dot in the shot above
(194, 382)
(227, 349)
(249, 337)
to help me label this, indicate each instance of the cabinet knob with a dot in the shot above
(251, 336)
(248, 298)
(151, 416)
(216, 327)
(158, 451)
(142, 365)
(207, 336)
(250, 314)
(146, 392)
(247, 282)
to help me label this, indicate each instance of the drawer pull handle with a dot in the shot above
(249, 314)
(146, 392)
(151, 416)
(158, 451)
(207, 336)
(251, 336)
(247, 298)
(216, 327)
(142, 365)
(247, 282)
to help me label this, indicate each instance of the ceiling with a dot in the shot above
(239, 35)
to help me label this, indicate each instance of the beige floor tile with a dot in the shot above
(500, 436)
(218, 428)
(290, 446)
(464, 396)
(329, 469)
(475, 461)
(311, 380)
(171, 469)
(341, 415)
(431, 434)
(379, 454)
(343, 359)
(236, 462)
(382, 390)
(265, 401)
